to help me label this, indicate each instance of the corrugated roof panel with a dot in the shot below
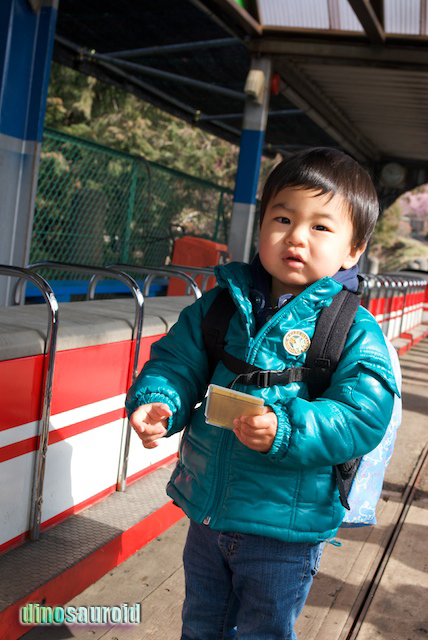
(348, 19)
(402, 16)
(366, 96)
(310, 14)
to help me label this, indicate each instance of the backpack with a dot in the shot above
(355, 478)
(367, 483)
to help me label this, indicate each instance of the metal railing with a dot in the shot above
(98, 205)
(195, 272)
(46, 390)
(151, 273)
(137, 331)
(396, 301)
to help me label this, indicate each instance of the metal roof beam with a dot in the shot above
(324, 112)
(369, 20)
(232, 116)
(164, 100)
(379, 9)
(175, 48)
(393, 55)
(423, 18)
(166, 75)
(333, 14)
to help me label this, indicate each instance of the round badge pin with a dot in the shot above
(296, 342)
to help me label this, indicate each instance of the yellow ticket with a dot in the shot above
(224, 405)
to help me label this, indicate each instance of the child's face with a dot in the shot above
(305, 236)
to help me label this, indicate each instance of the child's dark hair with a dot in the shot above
(329, 171)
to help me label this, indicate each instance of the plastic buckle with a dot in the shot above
(262, 378)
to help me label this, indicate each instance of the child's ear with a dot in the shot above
(353, 256)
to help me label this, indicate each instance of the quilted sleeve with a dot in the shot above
(177, 372)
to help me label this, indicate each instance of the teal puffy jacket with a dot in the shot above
(290, 492)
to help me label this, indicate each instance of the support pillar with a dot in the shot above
(27, 29)
(247, 177)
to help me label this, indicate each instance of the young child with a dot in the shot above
(262, 498)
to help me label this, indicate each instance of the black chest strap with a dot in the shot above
(322, 357)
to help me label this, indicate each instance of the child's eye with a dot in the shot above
(282, 220)
(320, 227)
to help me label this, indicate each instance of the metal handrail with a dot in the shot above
(206, 272)
(151, 273)
(370, 283)
(46, 391)
(136, 332)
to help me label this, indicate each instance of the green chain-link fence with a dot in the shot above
(97, 206)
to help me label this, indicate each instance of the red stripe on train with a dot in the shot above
(82, 376)
(20, 382)
(31, 444)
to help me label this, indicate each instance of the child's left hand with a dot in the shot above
(257, 432)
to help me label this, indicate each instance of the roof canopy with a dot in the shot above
(353, 73)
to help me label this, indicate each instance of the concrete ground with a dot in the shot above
(154, 575)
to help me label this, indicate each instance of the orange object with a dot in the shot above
(196, 252)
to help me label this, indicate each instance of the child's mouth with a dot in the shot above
(293, 260)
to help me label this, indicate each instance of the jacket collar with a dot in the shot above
(262, 280)
(237, 276)
(348, 278)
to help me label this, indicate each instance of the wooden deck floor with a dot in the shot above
(154, 575)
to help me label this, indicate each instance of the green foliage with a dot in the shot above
(390, 245)
(386, 232)
(87, 108)
(401, 253)
(97, 206)
(84, 107)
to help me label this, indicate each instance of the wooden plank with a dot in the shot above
(134, 581)
(343, 578)
(162, 611)
(161, 614)
(398, 609)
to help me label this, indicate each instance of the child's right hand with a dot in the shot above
(150, 422)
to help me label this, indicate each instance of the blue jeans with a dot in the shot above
(244, 587)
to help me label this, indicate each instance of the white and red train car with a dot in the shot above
(87, 428)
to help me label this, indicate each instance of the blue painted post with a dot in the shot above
(27, 32)
(247, 177)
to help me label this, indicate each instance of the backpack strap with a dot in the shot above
(345, 474)
(323, 356)
(215, 325)
(329, 338)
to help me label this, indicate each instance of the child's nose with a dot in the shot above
(296, 236)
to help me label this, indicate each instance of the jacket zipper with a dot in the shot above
(214, 504)
(223, 452)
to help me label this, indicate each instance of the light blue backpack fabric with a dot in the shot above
(367, 485)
